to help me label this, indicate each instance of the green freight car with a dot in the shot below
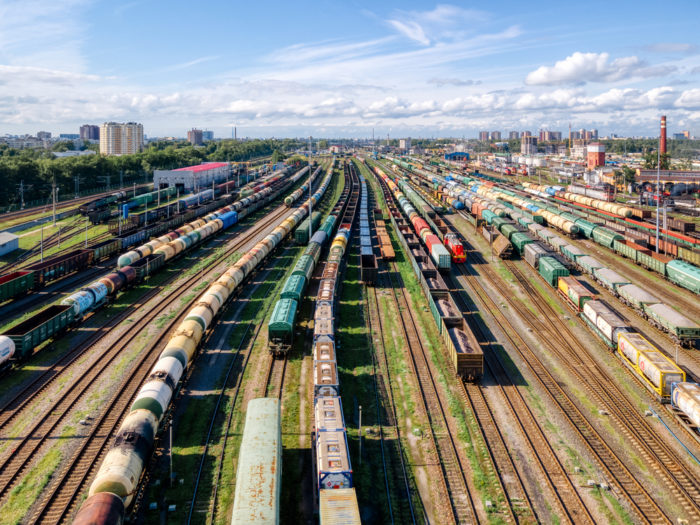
(519, 240)
(301, 235)
(684, 274)
(551, 269)
(15, 284)
(294, 288)
(304, 266)
(38, 328)
(280, 329)
(605, 236)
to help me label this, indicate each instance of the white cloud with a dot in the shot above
(444, 22)
(412, 30)
(672, 48)
(581, 68)
(440, 82)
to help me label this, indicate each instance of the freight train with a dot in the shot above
(560, 253)
(463, 349)
(652, 366)
(333, 469)
(123, 465)
(280, 328)
(441, 257)
(133, 266)
(680, 272)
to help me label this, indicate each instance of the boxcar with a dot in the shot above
(280, 328)
(259, 470)
(551, 269)
(684, 274)
(294, 288)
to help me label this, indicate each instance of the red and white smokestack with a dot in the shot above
(662, 147)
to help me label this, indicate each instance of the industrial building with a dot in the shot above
(193, 178)
(528, 145)
(9, 242)
(121, 139)
(595, 155)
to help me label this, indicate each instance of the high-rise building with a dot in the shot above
(526, 134)
(484, 136)
(43, 135)
(594, 134)
(595, 155)
(89, 132)
(121, 139)
(514, 135)
(207, 135)
(194, 137)
(405, 144)
(528, 145)
(495, 135)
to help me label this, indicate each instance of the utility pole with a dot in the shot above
(77, 185)
(54, 192)
(121, 179)
(42, 242)
(134, 189)
(21, 193)
(359, 434)
(310, 183)
(86, 231)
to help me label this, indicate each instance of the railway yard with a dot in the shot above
(361, 339)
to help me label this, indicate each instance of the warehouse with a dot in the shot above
(8, 243)
(193, 178)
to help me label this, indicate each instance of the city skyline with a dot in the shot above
(409, 69)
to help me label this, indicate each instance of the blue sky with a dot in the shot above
(339, 68)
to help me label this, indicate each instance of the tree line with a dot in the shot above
(37, 170)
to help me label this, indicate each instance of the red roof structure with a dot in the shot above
(204, 167)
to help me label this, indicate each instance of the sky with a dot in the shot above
(343, 68)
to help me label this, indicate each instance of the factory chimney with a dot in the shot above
(662, 142)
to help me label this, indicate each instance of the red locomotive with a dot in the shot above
(454, 246)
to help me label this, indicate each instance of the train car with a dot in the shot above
(604, 322)
(686, 398)
(104, 508)
(31, 333)
(259, 470)
(653, 367)
(551, 270)
(57, 267)
(574, 293)
(16, 284)
(333, 469)
(339, 507)
(684, 274)
(682, 329)
(455, 247)
(301, 234)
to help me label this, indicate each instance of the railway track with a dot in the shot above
(678, 478)
(395, 473)
(627, 486)
(86, 459)
(454, 481)
(16, 406)
(569, 505)
(243, 349)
